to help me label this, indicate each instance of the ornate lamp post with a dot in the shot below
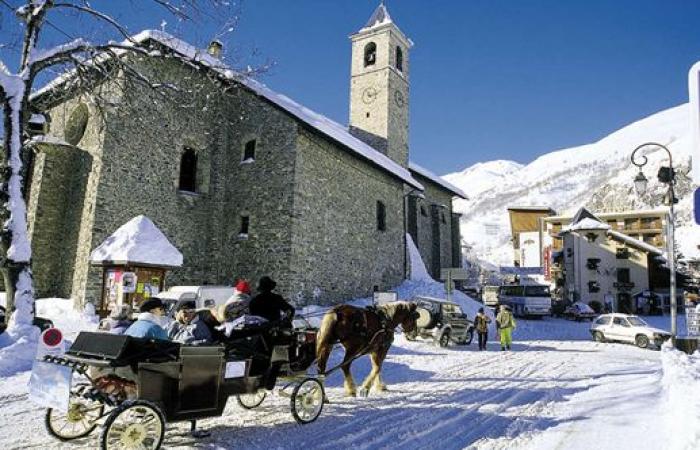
(666, 175)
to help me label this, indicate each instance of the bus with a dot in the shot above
(532, 300)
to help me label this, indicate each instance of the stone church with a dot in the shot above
(244, 181)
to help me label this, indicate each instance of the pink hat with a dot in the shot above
(243, 287)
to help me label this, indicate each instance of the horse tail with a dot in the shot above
(325, 339)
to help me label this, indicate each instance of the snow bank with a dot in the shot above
(681, 384)
(18, 344)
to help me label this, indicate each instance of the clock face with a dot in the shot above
(399, 99)
(369, 95)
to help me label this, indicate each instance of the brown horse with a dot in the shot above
(362, 331)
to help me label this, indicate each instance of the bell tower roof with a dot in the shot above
(379, 17)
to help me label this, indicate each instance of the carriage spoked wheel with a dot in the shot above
(307, 400)
(79, 421)
(250, 401)
(136, 424)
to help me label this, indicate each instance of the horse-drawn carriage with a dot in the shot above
(134, 386)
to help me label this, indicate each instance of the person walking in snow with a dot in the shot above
(481, 323)
(506, 324)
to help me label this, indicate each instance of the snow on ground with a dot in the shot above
(547, 393)
(17, 352)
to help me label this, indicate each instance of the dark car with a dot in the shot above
(442, 321)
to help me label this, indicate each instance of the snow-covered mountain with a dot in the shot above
(597, 175)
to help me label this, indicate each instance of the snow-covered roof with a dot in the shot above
(380, 16)
(586, 224)
(635, 242)
(319, 122)
(136, 242)
(436, 179)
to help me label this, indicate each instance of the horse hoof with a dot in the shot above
(364, 393)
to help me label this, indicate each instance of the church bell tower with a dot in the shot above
(379, 86)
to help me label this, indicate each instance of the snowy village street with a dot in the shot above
(547, 393)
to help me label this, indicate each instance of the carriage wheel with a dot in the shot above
(137, 424)
(250, 401)
(79, 421)
(307, 401)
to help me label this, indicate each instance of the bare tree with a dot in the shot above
(86, 61)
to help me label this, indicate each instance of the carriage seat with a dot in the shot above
(113, 350)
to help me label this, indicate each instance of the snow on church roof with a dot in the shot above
(138, 241)
(318, 121)
(436, 179)
(379, 17)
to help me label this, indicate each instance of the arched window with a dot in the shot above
(399, 59)
(381, 216)
(188, 171)
(370, 54)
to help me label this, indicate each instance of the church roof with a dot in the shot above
(437, 180)
(379, 17)
(319, 122)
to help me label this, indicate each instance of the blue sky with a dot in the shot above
(489, 79)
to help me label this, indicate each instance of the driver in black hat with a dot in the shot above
(269, 305)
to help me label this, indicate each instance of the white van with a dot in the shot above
(203, 296)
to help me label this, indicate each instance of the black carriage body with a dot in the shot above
(189, 382)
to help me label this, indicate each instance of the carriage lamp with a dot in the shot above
(666, 175)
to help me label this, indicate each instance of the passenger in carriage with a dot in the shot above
(269, 305)
(150, 322)
(187, 328)
(236, 305)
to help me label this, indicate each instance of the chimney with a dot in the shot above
(215, 48)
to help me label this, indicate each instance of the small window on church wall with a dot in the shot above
(188, 171)
(370, 54)
(245, 223)
(442, 218)
(249, 150)
(423, 212)
(399, 59)
(381, 216)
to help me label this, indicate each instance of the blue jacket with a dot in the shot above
(147, 327)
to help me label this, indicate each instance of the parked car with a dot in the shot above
(204, 296)
(579, 311)
(627, 328)
(442, 321)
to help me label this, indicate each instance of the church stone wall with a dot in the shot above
(60, 200)
(435, 235)
(338, 252)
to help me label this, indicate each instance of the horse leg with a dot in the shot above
(376, 367)
(322, 354)
(350, 388)
(378, 359)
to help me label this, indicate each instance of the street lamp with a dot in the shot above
(666, 175)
